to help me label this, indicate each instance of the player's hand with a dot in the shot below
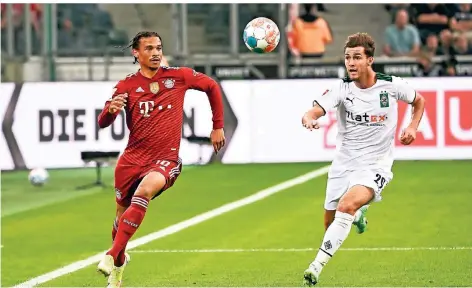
(309, 122)
(218, 139)
(408, 136)
(117, 103)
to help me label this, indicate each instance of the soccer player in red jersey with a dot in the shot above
(153, 100)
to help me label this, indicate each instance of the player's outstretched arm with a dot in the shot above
(409, 134)
(113, 106)
(204, 83)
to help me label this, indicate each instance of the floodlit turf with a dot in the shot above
(426, 205)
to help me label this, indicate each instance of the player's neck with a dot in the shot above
(367, 81)
(148, 73)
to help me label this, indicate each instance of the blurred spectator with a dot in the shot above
(461, 45)
(426, 66)
(394, 7)
(445, 46)
(18, 14)
(431, 18)
(432, 45)
(310, 34)
(463, 18)
(401, 38)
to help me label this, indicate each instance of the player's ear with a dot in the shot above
(135, 53)
(370, 60)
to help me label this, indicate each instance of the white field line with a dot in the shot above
(297, 249)
(179, 226)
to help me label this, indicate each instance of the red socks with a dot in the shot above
(129, 223)
(121, 256)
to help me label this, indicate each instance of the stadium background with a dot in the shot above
(59, 64)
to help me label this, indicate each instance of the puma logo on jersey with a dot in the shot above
(352, 100)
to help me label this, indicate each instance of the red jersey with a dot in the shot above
(154, 111)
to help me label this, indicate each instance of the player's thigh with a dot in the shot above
(127, 178)
(158, 178)
(376, 179)
(356, 197)
(365, 186)
(336, 187)
(328, 218)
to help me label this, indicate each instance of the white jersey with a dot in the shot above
(367, 121)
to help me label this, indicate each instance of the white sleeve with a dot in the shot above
(405, 92)
(331, 98)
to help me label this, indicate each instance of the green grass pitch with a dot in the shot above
(427, 207)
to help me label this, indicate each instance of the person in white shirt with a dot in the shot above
(366, 104)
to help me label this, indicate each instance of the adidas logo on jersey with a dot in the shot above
(366, 119)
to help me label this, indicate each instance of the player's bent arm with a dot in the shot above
(204, 83)
(105, 118)
(316, 111)
(418, 105)
(108, 115)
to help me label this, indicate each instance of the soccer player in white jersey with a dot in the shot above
(366, 104)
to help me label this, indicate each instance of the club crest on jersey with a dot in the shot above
(169, 83)
(384, 103)
(154, 87)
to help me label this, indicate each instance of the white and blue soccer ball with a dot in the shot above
(38, 176)
(261, 35)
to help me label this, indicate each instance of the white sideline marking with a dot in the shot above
(179, 226)
(297, 249)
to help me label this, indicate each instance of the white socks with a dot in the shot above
(334, 237)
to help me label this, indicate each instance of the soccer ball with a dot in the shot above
(261, 35)
(38, 176)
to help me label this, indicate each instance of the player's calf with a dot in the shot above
(132, 218)
(338, 231)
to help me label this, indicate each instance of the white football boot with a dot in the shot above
(312, 274)
(116, 275)
(105, 266)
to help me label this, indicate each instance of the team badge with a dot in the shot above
(154, 87)
(169, 83)
(384, 103)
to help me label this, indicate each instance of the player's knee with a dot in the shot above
(152, 184)
(347, 207)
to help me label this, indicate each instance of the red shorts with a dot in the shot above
(128, 177)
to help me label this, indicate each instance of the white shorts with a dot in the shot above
(337, 186)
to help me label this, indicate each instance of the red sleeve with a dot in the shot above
(105, 118)
(199, 81)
